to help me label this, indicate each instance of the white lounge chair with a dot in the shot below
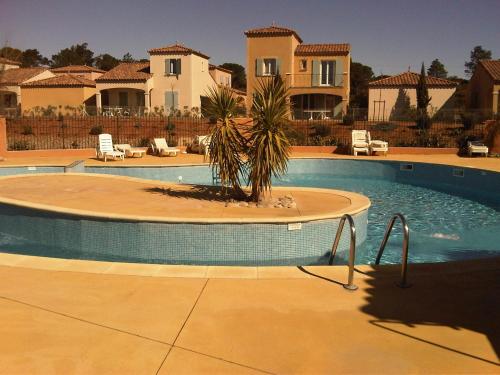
(200, 144)
(131, 151)
(106, 149)
(477, 147)
(360, 142)
(161, 148)
(377, 145)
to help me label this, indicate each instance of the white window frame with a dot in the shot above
(267, 67)
(330, 76)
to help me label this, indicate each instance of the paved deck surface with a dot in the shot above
(112, 196)
(289, 321)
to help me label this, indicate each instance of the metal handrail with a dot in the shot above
(406, 240)
(352, 249)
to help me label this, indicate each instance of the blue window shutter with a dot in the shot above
(167, 66)
(258, 67)
(315, 73)
(175, 97)
(178, 66)
(278, 66)
(339, 73)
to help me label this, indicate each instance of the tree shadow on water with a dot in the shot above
(460, 295)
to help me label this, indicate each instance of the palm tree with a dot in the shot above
(227, 146)
(269, 148)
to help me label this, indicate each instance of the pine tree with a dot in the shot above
(423, 101)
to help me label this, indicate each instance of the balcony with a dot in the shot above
(308, 80)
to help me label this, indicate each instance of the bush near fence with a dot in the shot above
(41, 133)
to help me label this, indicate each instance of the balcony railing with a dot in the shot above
(307, 80)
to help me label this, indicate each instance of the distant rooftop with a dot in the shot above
(176, 49)
(3, 60)
(65, 80)
(77, 69)
(129, 71)
(211, 67)
(410, 79)
(492, 67)
(272, 30)
(15, 77)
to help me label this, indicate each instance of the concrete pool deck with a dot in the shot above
(71, 316)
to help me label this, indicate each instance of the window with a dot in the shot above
(123, 99)
(269, 67)
(140, 99)
(172, 67)
(171, 100)
(202, 66)
(228, 81)
(303, 65)
(327, 73)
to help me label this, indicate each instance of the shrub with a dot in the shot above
(74, 144)
(20, 146)
(27, 130)
(424, 122)
(322, 130)
(96, 130)
(384, 126)
(144, 142)
(348, 119)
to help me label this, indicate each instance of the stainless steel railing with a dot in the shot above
(352, 249)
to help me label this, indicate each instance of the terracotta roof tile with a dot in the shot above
(410, 79)
(64, 80)
(17, 76)
(322, 49)
(492, 67)
(176, 49)
(136, 71)
(211, 67)
(77, 69)
(272, 31)
(3, 60)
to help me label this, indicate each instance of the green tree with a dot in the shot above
(227, 145)
(11, 53)
(477, 53)
(32, 57)
(106, 62)
(437, 69)
(269, 147)
(128, 57)
(360, 76)
(423, 100)
(78, 54)
(238, 77)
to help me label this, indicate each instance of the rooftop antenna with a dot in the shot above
(274, 23)
(409, 68)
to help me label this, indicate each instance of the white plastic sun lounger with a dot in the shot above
(130, 151)
(161, 148)
(477, 147)
(377, 145)
(106, 149)
(360, 142)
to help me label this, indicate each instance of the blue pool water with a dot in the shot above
(452, 213)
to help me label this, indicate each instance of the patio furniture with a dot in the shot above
(161, 148)
(322, 113)
(477, 147)
(360, 142)
(377, 145)
(131, 151)
(106, 149)
(200, 144)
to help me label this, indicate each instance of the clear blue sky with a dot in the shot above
(388, 35)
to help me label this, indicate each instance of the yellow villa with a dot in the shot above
(390, 98)
(317, 74)
(175, 78)
(484, 87)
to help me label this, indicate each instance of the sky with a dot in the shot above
(388, 35)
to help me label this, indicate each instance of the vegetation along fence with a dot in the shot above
(36, 133)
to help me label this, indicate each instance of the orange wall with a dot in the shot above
(55, 96)
(3, 137)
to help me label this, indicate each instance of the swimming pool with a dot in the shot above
(453, 213)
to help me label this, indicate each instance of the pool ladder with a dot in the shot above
(352, 248)
(215, 177)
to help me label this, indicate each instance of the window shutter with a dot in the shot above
(258, 67)
(167, 66)
(178, 66)
(278, 66)
(315, 73)
(175, 95)
(339, 73)
(168, 100)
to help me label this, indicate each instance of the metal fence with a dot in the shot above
(35, 133)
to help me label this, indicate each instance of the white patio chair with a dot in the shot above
(360, 142)
(161, 148)
(377, 145)
(477, 147)
(130, 151)
(106, 149)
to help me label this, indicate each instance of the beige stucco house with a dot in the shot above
(317, 74)
(10, 86)
(6, 64)
(62, 91)
(484, 87)
(88, 72)
(389, 98)
(175, 78)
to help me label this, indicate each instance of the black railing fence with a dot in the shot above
(39, 133)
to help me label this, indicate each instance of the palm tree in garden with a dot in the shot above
(269, 148)
(227, 146)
